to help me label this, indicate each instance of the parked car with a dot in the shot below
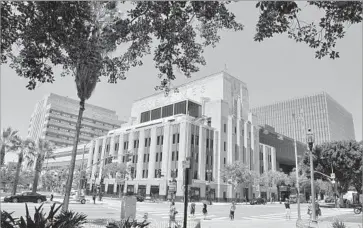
(257, 201)
(140, 198)
(329, 199)
(26, 197)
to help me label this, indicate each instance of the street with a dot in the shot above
(109, 209)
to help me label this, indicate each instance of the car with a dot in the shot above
(258, 201)
(329, 199)
(140, 198)
(26, 197)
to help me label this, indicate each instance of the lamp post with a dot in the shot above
(310, 141)
(297, 171)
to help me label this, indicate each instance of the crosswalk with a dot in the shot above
(281, 216)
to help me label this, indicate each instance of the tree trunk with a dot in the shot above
(38, 169)
(2, 154)
(18, 166)
(73, 159)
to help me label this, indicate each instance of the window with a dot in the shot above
(180, 108)
(162, 140)
(145, 116)
(167, 111)
(149, 142)
(207, 143)
(133, 159)
(161, 156)
(225, 128)
(143, 173)
(235, 130)
(156, 114)
(178, 138)
(116, 146)
(123, 159)
(177, 155)
(146, 142)
(156, 173)
(176, 172)
(192, 139)
(236, 152)
(211, 143)
(144, 158)
(224, 146)
(224, 160)
(157, 155)
(158, 140)
(197, 140)
(243, 132)
(173, 138)
(172, 156)
(107, 148)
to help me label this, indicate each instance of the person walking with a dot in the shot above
(287, 209)
(94, 198)
(192, 209)
(172, 214)
(233, 209)
(51, 197)
(205, 211)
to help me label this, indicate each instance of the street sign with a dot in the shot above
(186, 164)
(332, 175)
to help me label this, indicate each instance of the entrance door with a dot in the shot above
(141, 190)
(154, 191)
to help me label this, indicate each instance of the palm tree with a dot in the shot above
(44, 150)
(6, 142)
(25, 148)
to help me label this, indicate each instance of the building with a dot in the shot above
(55, 117)
(62, 157)
(327, 118)
(277, 152)
(208, 120)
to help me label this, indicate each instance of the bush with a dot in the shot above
(128, 224)
(338, 224)
(66, 219)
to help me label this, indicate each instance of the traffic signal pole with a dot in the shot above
(186, 197)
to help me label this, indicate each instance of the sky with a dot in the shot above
(274, 70)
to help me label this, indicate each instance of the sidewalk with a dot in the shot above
(263, 224)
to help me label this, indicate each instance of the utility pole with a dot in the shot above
(297, 172)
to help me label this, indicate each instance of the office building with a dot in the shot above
(328, 119)
(208, 120)
(55, 117)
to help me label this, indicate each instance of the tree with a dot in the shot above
(341, 157)
(80, 35)
(44, 150)
(237, 174)
(271, 178)
(115, 170)
(7, 138)
(283, 17)
(26, 178)
(7, 174)
(25, 149)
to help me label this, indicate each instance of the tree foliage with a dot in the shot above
(7, 142)
(65, 33)
(114, 169)
(237, 174)
(284, 17)
(344, 158)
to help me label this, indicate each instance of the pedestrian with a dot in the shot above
(231, 212)
(287, 209)
(317, 209)
(205, 211)
(94, 198)
(51, 197)
(192, 209)
(172, 214)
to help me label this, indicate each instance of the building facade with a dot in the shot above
(62, 157)
(328, 120)
(55, 117)
(207, 120)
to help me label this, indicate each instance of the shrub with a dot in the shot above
(7, 221)
(338, 224)
(127, 224)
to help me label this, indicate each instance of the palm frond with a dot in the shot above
(69, 219)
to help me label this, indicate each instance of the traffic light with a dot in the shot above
(132, 172)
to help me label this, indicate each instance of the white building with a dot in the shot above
(165, 130)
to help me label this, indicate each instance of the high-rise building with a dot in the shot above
(208, 121)
(55, 117)
(328, 120)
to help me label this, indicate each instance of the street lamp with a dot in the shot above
(310, 141)
(297, 171)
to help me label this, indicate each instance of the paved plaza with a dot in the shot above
(245, 215)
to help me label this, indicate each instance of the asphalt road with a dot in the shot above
(110, 210)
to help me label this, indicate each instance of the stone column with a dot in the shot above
(273, 158)
(265, 159)
(102, 157)
(239, 140)
(153, 154)
(166, 156)
(112, 145)
(202, 153)
(120, 151)
(95, 156)
(131, 145)
(230, 146)
(90, 155)
(140, 160)
(184, 147)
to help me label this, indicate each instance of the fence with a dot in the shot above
(155, 224)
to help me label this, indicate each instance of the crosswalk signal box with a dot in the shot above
(128, 207)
